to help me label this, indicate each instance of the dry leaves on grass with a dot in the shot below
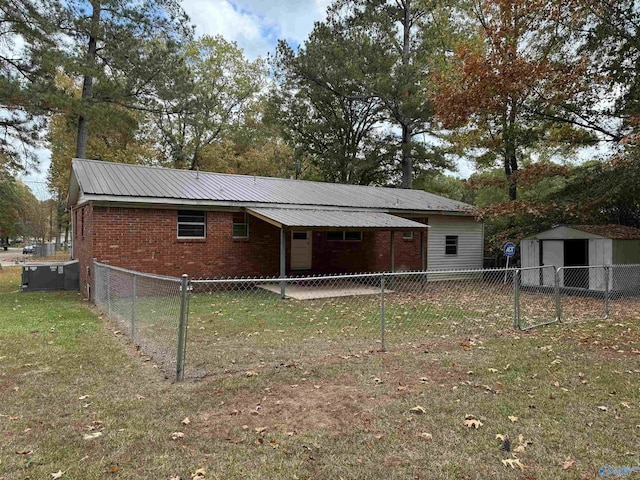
(513, 463)
(568, 463)
(199, 474)
(513, 418)
(57, 475)
(471, 422)
(177, 435)
(186, 421)
(92, 435)
(418, 410)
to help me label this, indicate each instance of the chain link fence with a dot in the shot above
(239, 325)
(149, 309)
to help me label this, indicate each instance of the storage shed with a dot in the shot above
(582, 246)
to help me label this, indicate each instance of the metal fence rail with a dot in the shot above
(244, 324)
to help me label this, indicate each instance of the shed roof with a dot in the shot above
(108, 181)
(306, 218)
(612, 231)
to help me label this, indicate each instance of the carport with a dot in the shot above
(299, 222)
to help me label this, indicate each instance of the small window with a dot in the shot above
(344, 235)
(191, 224)
(299, 235)
(451, 245)
(240, 225)
(353, 236)
(407, 235)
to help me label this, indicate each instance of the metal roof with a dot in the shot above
(295, 217)
(98, 180)
(612, 231)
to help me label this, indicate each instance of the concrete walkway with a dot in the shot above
(340, 288)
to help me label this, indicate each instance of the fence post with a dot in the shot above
(556, 288)
(182, 327)
(516, 299)
(382, 320)
(94, 272)
(108, 291)
(606, 291)
(133, 308)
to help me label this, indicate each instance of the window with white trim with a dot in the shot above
(344, 235)
(451, 245)
(240, 225)
(407, 235)
(192, 224)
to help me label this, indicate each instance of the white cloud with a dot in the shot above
(256, 25)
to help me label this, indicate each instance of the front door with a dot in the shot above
(300, 250)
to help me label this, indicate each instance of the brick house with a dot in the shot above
(170, 222)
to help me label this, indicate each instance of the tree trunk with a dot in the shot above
(407, 130)
(407, 162)
(87, 84)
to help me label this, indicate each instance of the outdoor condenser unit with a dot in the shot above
(50, 276)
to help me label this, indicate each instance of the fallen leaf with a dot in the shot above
(426, 436)
(377, 380)
(402, 388)
(92, 435)
(260, 429)
(177, 435)
(513, 418)
(603, 408)
(500, 437)
(513, 463)
(519, 449)
(250, 373)
(493, 370)
(198, 474)
(83, 397)
(471, 422)
(186, 421)
(568, 463)
(57, 475)
(418, 410)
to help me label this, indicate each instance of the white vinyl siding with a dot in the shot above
(470, 243)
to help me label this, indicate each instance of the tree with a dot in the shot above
(509, 92)
(26, 77)
(403, 42)
(254, 147)
(327, 117)
(120, 46)
(202, 96)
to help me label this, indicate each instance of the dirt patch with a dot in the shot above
(288, 409)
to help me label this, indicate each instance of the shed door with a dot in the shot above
(552, 253)
(300, 250)
(576, 254)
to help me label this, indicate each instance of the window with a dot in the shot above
(240, 225)
(192, 224)
(407, 235)
(451, 245)
(344, 235)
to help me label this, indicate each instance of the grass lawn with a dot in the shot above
(566, 396)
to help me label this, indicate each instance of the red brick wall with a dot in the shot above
(145, 240)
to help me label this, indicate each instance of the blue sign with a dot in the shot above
(509, 249)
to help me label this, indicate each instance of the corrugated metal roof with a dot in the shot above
(106, 179)
(306, 218)
(616, 232)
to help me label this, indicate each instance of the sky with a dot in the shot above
(255, 25)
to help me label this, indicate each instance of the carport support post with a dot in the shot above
(182, 328)
(283, 265)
